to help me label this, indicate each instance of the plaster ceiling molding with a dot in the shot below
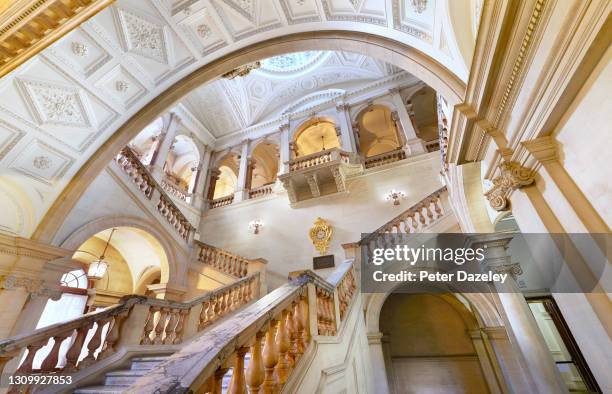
(408, 19)
(245, 18)
(143, 36)
(9, 137)
(293, 64)
(314, 99)
(364, 11)
(201, 30)
(41, 162)
(80, 52)
(300, 11)
(121, 87)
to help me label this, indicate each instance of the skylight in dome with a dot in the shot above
(290, 62)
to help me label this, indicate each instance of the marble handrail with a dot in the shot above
(134, 320)
(222, 260)
(138, 173)
(385, 158)
(420, 215)
(277, 331)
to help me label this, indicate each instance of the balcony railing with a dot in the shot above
(433, 145)
(136, 320)
(222, 260)
(144, 181)
(221, 201)
(385, 158)
(261, 191)
(318, 158)
(278, 333)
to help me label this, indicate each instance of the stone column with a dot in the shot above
(199, 189)
(241, 192)
(212, 182)
(285, 152)
(167, 139)
(347, 137)
(379, 373)
(413, 144)
(167, 291)
(529, 340)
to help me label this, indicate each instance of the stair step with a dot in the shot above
(123, 377)
(146, 363)
(101, 390)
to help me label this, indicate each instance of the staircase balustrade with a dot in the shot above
(276, 331)
(134, 320)
(173, 189)
(131, 165)
(385, 158)
(222, 260)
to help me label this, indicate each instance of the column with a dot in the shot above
(241, 192)
(414, 145)
(347, 138)
(379, 373)
(519, 319)
(167, 138)
(285, 153)
(199, 188)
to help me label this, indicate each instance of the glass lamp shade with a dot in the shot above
(97, 269)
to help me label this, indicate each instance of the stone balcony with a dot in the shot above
(319, 174)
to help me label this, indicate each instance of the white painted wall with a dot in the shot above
(284, 240)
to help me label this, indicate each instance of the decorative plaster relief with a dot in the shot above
(143, 37)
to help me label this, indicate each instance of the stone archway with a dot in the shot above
(401, 55)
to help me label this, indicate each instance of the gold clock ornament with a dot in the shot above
(320, 234)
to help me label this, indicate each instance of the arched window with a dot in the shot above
(315, 135)
(181, 164)
(377, 131)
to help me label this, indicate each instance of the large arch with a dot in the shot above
(170, 271)
(399, 54)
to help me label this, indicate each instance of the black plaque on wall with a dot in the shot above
(321, 262)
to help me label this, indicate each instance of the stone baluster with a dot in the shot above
(73, 354)
(149, 326)
(26, 365)
(180, 326)
(94, 344)
(112, 335)
(237, 384)
(172, 322)
(270, 359)
(216, 381)
(49, 363)
(159, 327)
(299, 335)
(255, 370)
(282, 342)
(292, 356)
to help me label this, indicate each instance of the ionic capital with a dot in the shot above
(513, 176)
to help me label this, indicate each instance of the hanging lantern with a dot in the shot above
(97, 269)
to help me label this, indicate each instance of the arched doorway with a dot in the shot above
(378, 133)
(264, 166)
(428, 347)
(227, 178)
(315, 135)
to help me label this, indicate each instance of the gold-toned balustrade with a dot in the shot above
(221, 201)
(274, 335)
(385, 158)
(136, 320)
(261, 191)
(144, 181)
(224, 261)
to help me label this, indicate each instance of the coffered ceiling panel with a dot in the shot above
(62, 105)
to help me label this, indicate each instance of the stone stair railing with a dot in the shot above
(416, 218)
(135, 320)
(171, 188)
(433, 145)
(318, 158)
(385, 158)
(144, 181)
(227, 262)
(277, 332)
(261, 191)
(221, 201)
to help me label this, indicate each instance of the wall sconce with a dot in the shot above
(395, 196)
(255, 226)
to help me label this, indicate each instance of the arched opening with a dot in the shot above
(428, 345)
(264, 166)
(145, 144)
(181, 166)
(315, 135)
(378, 133)
(227, 181)
(423, 108)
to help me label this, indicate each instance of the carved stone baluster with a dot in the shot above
(299, 334)
(72, 356)
(48, 365)
(217, 381)
(203, 318)
(94, 343)
(149, 326)
(270, 359)
(255, 370)
(170, 327)
(237, 384)
(160, 326)
(282, 343)
(178, 331)
(291, 328)
(26, 365)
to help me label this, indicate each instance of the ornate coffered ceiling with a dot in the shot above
(59, 107)
(279, 82)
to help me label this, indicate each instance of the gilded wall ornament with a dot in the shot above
(320, 235)
(242, 71)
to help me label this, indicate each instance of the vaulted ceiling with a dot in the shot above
(58, 108)
(280, 81)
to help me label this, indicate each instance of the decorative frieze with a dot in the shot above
(513, 176)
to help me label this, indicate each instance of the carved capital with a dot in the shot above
(10, 282)
(514, 269)
(513, 176)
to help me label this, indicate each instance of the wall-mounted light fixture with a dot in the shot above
(395, 196)
(255, 226)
